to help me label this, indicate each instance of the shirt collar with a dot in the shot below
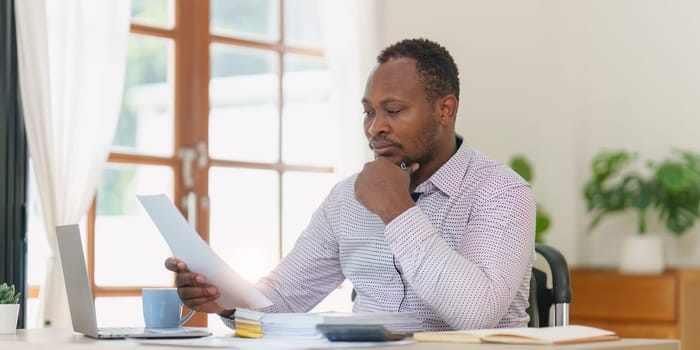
(448, 178)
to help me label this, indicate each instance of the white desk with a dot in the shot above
(62, 339)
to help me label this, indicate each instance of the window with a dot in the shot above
(225, 110)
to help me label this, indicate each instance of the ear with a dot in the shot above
(447, 107)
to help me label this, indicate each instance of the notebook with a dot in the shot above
(80, 301)
(548, 335)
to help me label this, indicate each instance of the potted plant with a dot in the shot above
(670, 187)
(9, 308)
(521, 165)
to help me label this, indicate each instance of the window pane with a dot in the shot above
(308, 126)
(302, 23)
(129, 251)
(251, 19)
(160, 13)
(243, 98)
(244, 219)
(146, 118)
(302, 193)
(119, 311)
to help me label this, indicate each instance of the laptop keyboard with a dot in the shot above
(120, 330)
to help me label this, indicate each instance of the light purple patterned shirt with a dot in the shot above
(460, 258)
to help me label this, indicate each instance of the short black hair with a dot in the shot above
(434, 65)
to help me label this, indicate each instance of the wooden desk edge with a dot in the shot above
(64, 339)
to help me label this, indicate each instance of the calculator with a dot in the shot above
(359, 332)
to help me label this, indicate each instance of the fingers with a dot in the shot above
(412, 168)
(189, 279)
(192, 287)
(176, 265)
(198, 295)
(201, 299)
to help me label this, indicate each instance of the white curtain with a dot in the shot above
(72, 60)
(350, 37)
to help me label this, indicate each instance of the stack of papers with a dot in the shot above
(252, 324)
(248, 323)
(392, 321)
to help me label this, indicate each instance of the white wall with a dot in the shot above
(560, 80)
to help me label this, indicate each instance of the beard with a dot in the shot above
(426, 144)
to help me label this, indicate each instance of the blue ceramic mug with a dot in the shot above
(162, 308)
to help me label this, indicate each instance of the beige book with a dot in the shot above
(547, 335)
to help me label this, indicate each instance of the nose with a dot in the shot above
(378, 125)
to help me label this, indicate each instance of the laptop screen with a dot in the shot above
(80, 301)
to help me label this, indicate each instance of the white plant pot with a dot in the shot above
(8, 318)
(642, 255)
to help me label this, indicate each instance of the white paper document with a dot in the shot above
(188, 246)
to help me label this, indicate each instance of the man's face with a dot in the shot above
(399, 121)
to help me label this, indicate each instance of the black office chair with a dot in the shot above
(542, 298)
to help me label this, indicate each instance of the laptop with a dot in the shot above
(80, 301)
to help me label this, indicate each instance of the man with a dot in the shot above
(431, 225)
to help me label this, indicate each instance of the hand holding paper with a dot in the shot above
(188, 246)
(193, 288)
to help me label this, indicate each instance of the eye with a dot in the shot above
(394, 111)
(368, 114)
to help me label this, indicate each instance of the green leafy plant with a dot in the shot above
(8, 294)
(521, 165)
(671, 186)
